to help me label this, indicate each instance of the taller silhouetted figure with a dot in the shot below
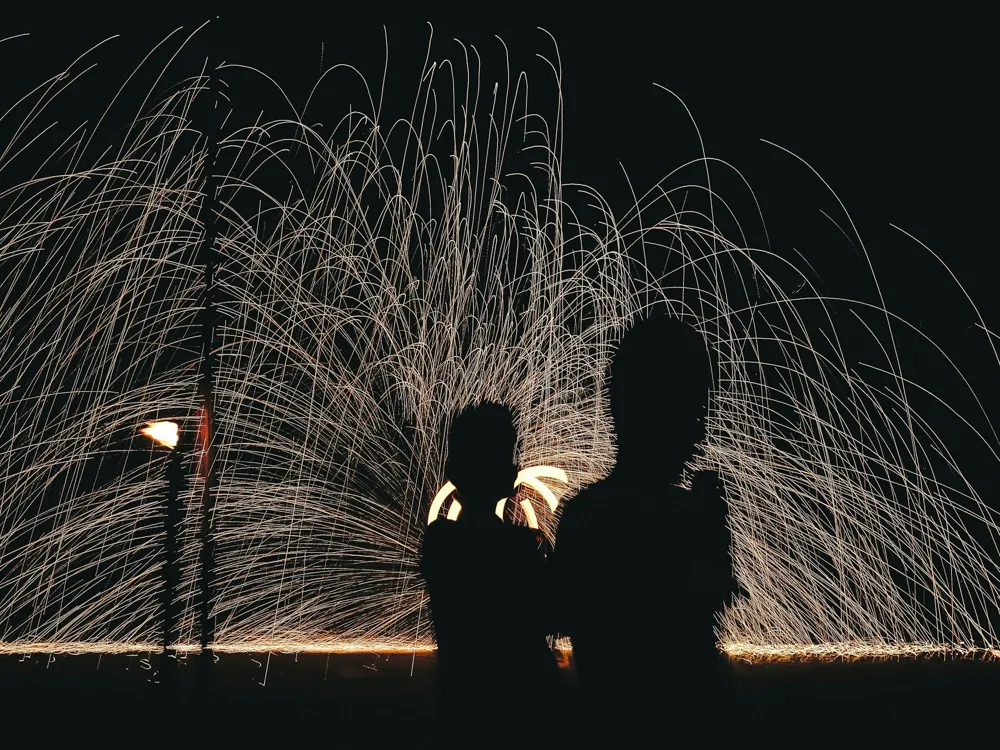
(487, 585)
(642, 565)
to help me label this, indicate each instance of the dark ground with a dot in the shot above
(373, 700)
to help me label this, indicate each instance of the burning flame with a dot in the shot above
(165, 433)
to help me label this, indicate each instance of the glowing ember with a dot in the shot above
(165, 433)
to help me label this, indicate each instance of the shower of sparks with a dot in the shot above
(164, 433)
(373, 278)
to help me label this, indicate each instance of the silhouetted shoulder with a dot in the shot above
(441, 528)
(439, 539)
(608, 503)
(591, 499)
(439, 531)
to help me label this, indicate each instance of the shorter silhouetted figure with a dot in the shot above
(642, 566)
(487, 583)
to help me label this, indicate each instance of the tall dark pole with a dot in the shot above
(207, 259)
(171, 568)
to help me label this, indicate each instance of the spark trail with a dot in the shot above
(374, 277)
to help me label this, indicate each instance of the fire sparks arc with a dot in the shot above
(531, 476)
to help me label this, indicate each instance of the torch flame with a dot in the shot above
(165, 433)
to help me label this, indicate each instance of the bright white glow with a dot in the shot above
(529, 513)
(529, 476)
(164, 433)
(541, 489)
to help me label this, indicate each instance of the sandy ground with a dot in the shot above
(386, 700)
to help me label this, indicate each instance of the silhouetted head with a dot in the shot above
(659, 382)
(481, 447)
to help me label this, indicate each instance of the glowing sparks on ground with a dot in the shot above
(370, 289)
(71, 648)
(280, 646)
(164, 433)
(746, 652)
(851, 651)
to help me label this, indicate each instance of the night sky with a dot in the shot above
(892, 114)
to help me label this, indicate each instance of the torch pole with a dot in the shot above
(171, 566)
(208, 260)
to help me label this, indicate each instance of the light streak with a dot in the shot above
(368, 290)
(529, 476)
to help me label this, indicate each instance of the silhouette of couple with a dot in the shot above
(639, 571)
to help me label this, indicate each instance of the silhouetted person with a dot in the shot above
(642, 566)
(487, 583)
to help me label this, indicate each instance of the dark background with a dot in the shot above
(891, 112)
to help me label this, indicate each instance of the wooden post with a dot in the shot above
(210, 102)
(173, 515)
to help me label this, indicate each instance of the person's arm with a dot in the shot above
(712, 499)
(435, 569)
(432, 554)
(560, 574)
(427, 547)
